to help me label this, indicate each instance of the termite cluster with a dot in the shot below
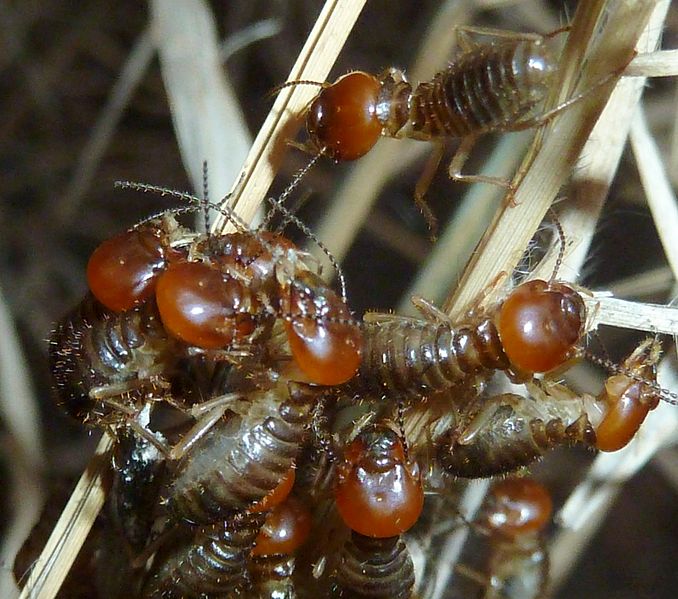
(271, 444)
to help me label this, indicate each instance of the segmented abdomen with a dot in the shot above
(212, 561)
(515, 435)
(272, 576)
(375, 569)
(241, 460)
(418, 356)
(93, 346)
(485, 89)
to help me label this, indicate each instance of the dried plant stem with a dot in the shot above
(71, 530)
(320, 51)
(548, 170)
(103, 131)
(360, 190)
(314, 63)
(24, 450)
(208, 122)
(654, 64)
(658, 190)
(590, 183)
(625, 314)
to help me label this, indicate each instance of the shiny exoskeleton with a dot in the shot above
(272, 562)
(493, 87)
(242, 458)
(211, 561)
(513, 519)
(378, 492)
(374, 568)
(137, 475)
(513, 432)
(628, 398)
(96, 354)
(535, 329)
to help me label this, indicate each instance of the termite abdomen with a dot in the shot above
(514, 436)
(93, 347)
(489, 89)
(137, 472)
(239, 461)
(415, 356)
(374, 568)
(213, 560)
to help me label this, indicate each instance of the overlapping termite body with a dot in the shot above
(241, 458)
(272, 562)
(379, 495)
(474, 435)
(209, 561)
(537, 328)
(512, 522)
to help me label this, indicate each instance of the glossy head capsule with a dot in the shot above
(122, 271)
(518, 506)
(202, 307)
(378, 493)
(325, 341)
(342, 120)
(286, 528)
(253, 256)
(629, 400)
(540, 325)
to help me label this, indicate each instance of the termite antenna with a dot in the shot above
(563, 241)
(206, 197)
(664, 394)
(313, 237)
(294, 183)
(278, 88)
(196, 202)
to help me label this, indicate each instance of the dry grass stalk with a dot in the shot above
(317, 57)
(563, 141)
(314, 63)
(70, 532)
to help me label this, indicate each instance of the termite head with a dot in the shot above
(630, 394)
(540, 325)
(517, 506)
(379, 492)
(342, 120)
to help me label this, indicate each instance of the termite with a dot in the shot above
(211, 560)
(379, 495)
(98, 357)
(375, 568)
(240, 459)
(513, 520)
(234, 285)
(508, 431)
(490, 88)
(272, 562)
(628, 397)
(537, 328)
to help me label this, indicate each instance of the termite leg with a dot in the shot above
(472, 574)
(459, 159)
(110, 390)
(466, 32)
(196, 432)
(423, 184)
(545, 117)
(428, 310)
